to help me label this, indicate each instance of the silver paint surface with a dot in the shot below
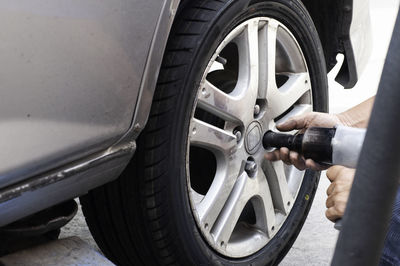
(70, 77)
(68, 182)
(360, 34)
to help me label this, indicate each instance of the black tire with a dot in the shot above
(145, 217)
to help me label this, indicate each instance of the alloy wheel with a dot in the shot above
(256, 78)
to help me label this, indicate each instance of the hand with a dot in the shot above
(301, 122)
(338, 192)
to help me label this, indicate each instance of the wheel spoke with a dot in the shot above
(294, 178)
(263, 207)
(253, 61)
(267, 57)
(281, 195)
(211, 205)
(280, 100)
(240, 195)
(248, 79)
(210, 137)
(219, 103)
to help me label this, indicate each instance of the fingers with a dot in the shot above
(297, 122)
(293, 158)
(340, 172)
(297, 160)
(338, 192)
(285, 155)
(310, 119)
(288, 157)
(278, 154)
(334, 172)
(337, 198)
(336, 205)
(281, 154)
(339, 186)
(315, 166)
(330, 189)
(272, 156)
(333, 214)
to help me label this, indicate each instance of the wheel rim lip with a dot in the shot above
(239, 248)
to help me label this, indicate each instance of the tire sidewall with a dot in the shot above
(294, 16)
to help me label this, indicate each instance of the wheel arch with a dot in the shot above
(332, 18)
(336, 21)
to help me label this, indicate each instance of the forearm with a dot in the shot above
(358, 116)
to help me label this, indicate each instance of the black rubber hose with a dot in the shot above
(371, 199)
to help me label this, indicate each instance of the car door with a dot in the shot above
(69, 78)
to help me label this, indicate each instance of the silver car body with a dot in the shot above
(77, 81)
(360, 38)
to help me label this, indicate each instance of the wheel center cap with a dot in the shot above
(253, 137)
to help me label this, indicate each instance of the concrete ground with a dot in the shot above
(66, 251)
(316, 242)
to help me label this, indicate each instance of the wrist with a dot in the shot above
(345, 119)
(353, 119)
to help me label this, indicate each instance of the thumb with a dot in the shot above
(334, 172)
(297, 122)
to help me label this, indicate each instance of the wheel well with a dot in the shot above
(332, 20)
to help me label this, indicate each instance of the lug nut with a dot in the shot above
(251, 168)
(238, 135)
(257, 109)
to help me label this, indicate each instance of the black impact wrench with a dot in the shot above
(327, 146)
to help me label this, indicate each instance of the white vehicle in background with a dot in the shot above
(153, 113)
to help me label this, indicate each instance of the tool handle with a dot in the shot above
(278, 140)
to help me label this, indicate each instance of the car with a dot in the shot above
(153, 112)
